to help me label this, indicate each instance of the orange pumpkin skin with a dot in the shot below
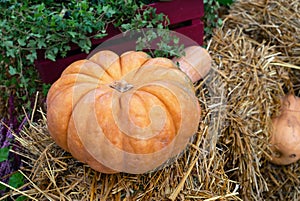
(127, 113)
(196, 62)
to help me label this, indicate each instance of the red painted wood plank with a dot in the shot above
(179, 10)
(194, 31)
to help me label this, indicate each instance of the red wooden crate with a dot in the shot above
(185, 18)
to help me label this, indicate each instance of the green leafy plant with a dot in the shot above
(8, 165)
(26, 27)
(4, 153)
(212, 18)
(16, 180)
(168, 44)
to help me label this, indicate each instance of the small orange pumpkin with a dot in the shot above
(285, 138)
(127, 113)
(196, 63)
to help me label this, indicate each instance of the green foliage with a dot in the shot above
(211, 16)
(16, 180)
(225, 2)
(168, 45)
(32, 25)
(4, 153)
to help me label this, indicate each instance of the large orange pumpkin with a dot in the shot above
(127, 113)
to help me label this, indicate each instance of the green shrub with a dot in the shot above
(31, 25)
(212, 19)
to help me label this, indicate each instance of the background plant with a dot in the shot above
(29, 26)
(9, 161)
(213, 11)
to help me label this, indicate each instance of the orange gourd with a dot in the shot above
(127, 113)
(196, 62)
(285, 138)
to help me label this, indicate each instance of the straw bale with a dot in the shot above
(52, 174)
(254, 84)
(273, 21)
(276, 22)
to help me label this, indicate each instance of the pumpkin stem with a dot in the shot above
(121, 86)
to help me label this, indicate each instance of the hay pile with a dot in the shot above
(270, 21)
(274, 22)
(53, 174)
(255, 56)
(253, 88)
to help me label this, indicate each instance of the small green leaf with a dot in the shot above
(89, 29)
(32, 43)
(12, 70)
(225, 2)
(2, 187)
(126, 26)
(220, 22)
(45, 89)
(72, 34)
(176, 40)
(31, 57)
(16, 180)
(41, 43)
(160, 26)
(21, 42)
(8, 43)
(11, 52)
(21, 198)
(50, 56)
(4, 153)
(100, 35)
(41, 7)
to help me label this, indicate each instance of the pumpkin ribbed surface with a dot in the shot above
(127, 113)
